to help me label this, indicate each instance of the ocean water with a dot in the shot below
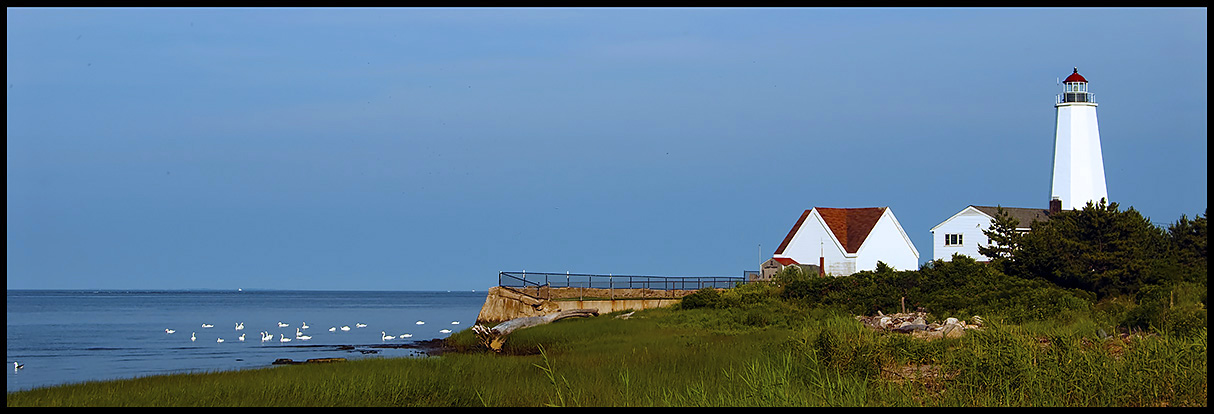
(71, 336)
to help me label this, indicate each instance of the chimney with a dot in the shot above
(1055, 204)
(821, 266)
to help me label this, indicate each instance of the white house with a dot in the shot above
(962, 233)
(843, 241)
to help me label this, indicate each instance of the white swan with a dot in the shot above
(455, 322)
(298, 333)
(303, 337)
(207, 326)
(420, 323)
(305, 325)
(445, 331)
(168, 331)
(219, 340)
(283, 325)
(406, 335)
(265, 336)
(241, 337)
(283, 338)
(240, 326)
(360, 325)
(332, 329)
(345, 328)
(192, 337)
(383, 336)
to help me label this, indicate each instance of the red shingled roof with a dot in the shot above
(1076, 77)
(850, 225)
(785, 261)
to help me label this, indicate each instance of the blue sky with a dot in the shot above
(428, 149)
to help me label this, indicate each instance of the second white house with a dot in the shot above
(963, 232)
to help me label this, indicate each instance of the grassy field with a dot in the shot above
(776, 355)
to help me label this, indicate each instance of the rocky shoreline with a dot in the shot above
(431, 347)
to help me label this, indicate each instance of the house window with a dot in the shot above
(952, 239)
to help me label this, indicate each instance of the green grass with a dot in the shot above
(764, 354)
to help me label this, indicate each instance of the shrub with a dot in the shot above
(703, 298)
(1185, 321)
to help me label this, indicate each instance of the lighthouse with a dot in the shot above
(1078, 175)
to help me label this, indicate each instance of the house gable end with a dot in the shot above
(969, 209)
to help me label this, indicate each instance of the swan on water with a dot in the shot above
(283, 325)
(455, 322)
(240, 326)
(283, 338)
(298, 333)
(360, 325)
(192, 338)
(445, 331)
(406, 335)
(207, 326)
(345, 327)
(303, 337)
(219, 340)
(383, 336)
(265, 336)
(332, 329)
(420, 323)
(305, 325)
(241, 338)
(168, 331)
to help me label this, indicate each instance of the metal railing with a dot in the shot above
(1068, 97)
(538, 280)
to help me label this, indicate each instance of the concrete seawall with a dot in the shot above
(503, 304)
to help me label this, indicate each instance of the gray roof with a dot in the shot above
(1026, 216)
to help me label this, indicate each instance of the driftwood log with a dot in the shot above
(495, 337)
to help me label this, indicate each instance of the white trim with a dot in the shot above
(813, 212)
(969, 207)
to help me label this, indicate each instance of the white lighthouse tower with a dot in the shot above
(1078, 166)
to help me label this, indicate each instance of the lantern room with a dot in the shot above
(1075, 90)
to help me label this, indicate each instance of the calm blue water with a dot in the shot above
(68, 336)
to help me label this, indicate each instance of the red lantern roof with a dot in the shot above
(1076, 77)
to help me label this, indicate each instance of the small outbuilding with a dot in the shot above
(776, 264)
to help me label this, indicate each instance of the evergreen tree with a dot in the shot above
(1098, 249)
(1005, 239)
(1187, 241)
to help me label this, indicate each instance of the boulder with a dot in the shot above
(916, 324)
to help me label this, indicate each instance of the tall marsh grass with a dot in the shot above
(711, 357)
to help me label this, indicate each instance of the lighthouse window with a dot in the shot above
(952, 239)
